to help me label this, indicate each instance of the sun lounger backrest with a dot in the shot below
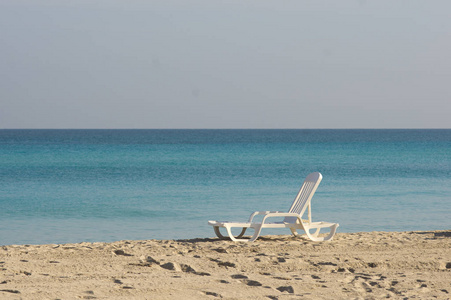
(304, 196)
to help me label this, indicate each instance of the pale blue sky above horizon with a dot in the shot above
(225, 64)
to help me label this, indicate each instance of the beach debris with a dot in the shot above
(10, 291)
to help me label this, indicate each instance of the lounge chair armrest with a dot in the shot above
(255, 213)
(281, 214)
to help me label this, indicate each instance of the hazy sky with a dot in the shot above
(225, 64)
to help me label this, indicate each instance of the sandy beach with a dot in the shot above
(369, 265)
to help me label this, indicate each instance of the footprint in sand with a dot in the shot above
(212, 294)
(251, 282)
(244, 279)
(220, 250)
(282, 278)
(239, 276)
(361, 285)
(121, 252)
(149, 260)
(226, 264)
(366, 287)
(326, 263)
(182, 268)
(289, 289)
(90, 292)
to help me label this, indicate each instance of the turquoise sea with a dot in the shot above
(59, 186)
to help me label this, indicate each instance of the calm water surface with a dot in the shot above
(59, 186)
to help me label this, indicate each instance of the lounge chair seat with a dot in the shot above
(292, 218)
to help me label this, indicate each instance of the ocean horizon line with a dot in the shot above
(5, 129)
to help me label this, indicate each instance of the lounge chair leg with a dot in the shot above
(256, 234)
(242, 233)
(314, 237)
(222, 237)
(238, 239)
(295, 233)
(218, 233)
(317, 232)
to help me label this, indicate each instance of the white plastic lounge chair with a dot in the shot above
(292, 218)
